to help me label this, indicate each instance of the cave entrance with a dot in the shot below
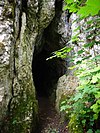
(43, 73)
(46, 72)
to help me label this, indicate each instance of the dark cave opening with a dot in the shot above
(45, 76)
(46, 73)
(40, 71)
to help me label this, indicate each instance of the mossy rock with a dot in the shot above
(74, 125)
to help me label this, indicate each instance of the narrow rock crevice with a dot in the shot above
(47, 73)
(36, 23)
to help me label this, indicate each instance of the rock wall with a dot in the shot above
(6, 37)
(66, 87)
(23, 25)
(85, 34)
(29, 29)
(52, 38)
(67, 84)
(18, 104)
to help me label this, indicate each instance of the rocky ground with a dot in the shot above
(50, 121)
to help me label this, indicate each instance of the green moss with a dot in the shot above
(23, 108)
(22, 115)
(74, 125)
(65, 116)
(63, 98)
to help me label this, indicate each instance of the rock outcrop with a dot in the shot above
(66, 87)
(17, 97)
(26, 26)
(30, 30)
(68, 83)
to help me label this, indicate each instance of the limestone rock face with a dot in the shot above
(47, 13)
(66, 87)
(32, 30)
(27, 28)
(22, 22)
(26, 25)
(92, 51)
(6, 29)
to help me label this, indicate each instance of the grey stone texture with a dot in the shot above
(22, 27)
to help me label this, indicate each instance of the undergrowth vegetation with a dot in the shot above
(83, 108)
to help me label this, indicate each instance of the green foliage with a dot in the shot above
(83, 7)
(91, 7)
(83, 107)
(74, 125)
(62, 53)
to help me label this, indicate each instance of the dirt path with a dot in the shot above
(49, 119)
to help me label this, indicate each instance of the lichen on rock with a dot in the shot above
(31, 30)
(66, 87)
(17, 96)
